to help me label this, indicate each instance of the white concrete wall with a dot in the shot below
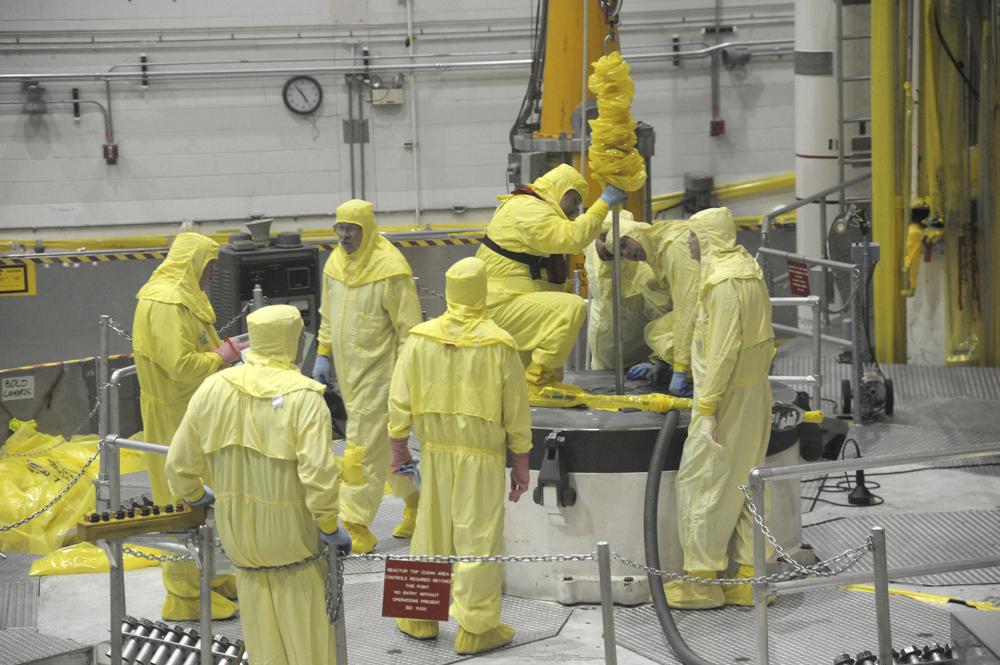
(225, 149)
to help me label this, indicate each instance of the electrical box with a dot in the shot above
(287, 271)
(387, 97)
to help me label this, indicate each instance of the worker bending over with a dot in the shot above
(459, 386)
(529, 232)
(731, 420)
(262, 433)
(369, 304)
(641, 301)
(176, 348)
(663, 246)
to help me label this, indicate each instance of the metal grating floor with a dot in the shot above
(374, 639)
(960, 535)
(883, 439)
(804, 628)
(18, 592)
(22, 645)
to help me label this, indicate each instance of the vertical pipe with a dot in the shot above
(607, 603)
(759, 569)
(840, 111)
(258, 297)
(114, 459)
(103, 413)
(206, 543)
(339, 627)
(350, 126)
(583, 88)
(818, 354)
(858, 313)
(414, 130)
(825, 253)
(881, 569)
(887, 227)
(361, 142)
(116, 570)
(580, 350)
(716, 95)
(616, 299)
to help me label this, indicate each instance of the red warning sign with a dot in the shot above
(798, 278)
(416, 590)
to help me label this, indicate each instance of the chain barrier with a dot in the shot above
(160, 558)
(430, 292)
(222, 331)
(118, 329)
(503, 558)
(333, 613)
(759, 521)
(58, 497)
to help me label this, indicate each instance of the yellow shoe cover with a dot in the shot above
(743, 594)
(418, 628)
(683, 595)
(176, 608)
(467, 643)
(405, 528)
(363, 541)
(225, 585)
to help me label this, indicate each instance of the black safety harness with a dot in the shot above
(534, 263)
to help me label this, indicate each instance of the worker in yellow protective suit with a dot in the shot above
(176, 348)
(663, 246)
(369, 305)
(640, 302)
(260, 434)
(731, 422)
(530, 230)
(459, 386)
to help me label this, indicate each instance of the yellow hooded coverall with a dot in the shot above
(174, 342)
(260, 435)
(369, 304)
(732, 353)
(542, 321)
(640, 303)
(459, 384)
(676, 275)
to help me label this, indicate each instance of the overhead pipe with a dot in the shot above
(356, 69)
(414, 129)
(91, 39)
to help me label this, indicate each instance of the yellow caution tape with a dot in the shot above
(927, 597)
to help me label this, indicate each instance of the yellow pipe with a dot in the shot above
(732, 190)
(887, 219)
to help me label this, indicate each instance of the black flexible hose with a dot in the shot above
(652, 544)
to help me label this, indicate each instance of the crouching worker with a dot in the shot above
(260, 434)
(459, 384)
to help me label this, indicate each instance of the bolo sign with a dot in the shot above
(17, 387)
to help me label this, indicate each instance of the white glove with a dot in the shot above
(706, 428)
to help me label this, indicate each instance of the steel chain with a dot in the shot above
(508, 558)
(820, 569)
(162, 558)
(759, 520)
(246, 308)
(58, 497)
(119, 329)
(430, 292)
(333, 613)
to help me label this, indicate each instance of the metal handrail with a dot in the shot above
(759, 476)
(768, 219)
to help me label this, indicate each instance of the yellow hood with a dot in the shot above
(721, 257)
(176, 280)
(552, 186)
(466, 321)
(376, 259)
(274, 344)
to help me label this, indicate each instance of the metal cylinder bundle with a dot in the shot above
(155, 643)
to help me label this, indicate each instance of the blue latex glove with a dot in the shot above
(321, 370)
(206, 500)
(660, 374)
(680, 385)
(613, 196)
(639, 371)
(339, 539)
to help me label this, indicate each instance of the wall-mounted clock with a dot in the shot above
(302, 94)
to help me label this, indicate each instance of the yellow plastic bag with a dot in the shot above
(86, 558)
(29, 482)
(613, 156)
